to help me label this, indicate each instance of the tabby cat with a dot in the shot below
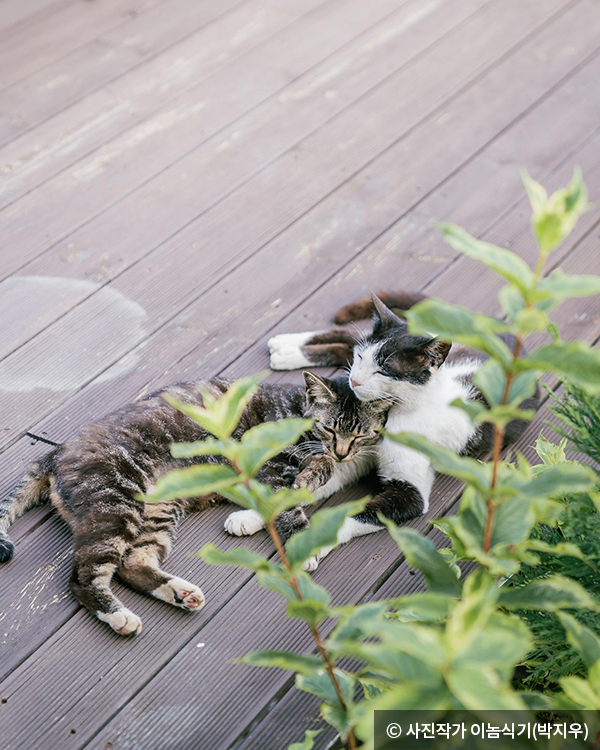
(92, 481)
(420, 376)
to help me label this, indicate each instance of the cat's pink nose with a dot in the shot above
(354, 383)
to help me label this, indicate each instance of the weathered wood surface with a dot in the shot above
(178, 181)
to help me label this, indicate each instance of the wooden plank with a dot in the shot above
(262, 135)
(47, 38)
(290, 715)
(293, 712)
(356, 214)
(15, 462)
(486, 197)
(106, 113)
(95, 681)
(14, 14)
(35, 554)
(50, 89)
(116, 169)
(227, 636)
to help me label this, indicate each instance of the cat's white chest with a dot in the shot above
(434, 418)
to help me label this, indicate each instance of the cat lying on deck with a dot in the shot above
(93, 481)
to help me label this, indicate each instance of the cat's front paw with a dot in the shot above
(313, 562)
(180, 593)
(244, 523)
(316, 474)
(122, 621)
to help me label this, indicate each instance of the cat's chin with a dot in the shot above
(363, 394)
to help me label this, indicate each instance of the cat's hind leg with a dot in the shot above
(293, 351)
(94, 565)
(140, 566)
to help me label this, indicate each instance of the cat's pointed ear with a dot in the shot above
(318, 390)
(436, 351)
(383, 317)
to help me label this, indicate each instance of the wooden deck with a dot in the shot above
(180, 179)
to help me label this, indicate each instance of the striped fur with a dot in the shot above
(93, 482)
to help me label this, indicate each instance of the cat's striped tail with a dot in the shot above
(363, 308)
(33, 489)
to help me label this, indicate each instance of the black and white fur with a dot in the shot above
(421, 376)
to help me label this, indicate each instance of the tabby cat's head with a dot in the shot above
(344, 425)
(391, 362)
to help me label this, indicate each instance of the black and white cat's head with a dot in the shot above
(344, 426)
(391, 362)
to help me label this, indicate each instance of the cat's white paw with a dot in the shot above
(244, 523)
(286, 353)
(311, 564)
(122, 621)
(180, 593)
(288, 358)
(284, 340)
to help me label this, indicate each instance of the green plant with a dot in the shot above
(457, 644)
(553, 656)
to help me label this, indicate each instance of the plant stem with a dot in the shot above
(329, 664)
(499, 431)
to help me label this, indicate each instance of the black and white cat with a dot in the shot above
(421, 377)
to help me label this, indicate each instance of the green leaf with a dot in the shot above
(264, 441)
(202, 448)
(447, 461)
(278, 582)
(453, 323)
(274, 504)
(419, 641)
(421, 553)
(504, 415)
(193, 481)
(583, 640)
(239, 557)
(373, 684)
(538, 197)
(322, 532)
(502, 261)
(513, 521)
(472, 408)
(320, 684)
(555, 217)
(490, 378)
(551, 453)
(472, 612)
(511, 300)
(309, 610)
(310, 590)
(562, 548)
(576, 361)
(502, 644)
(305, 664)
(220, 416)
(559, 286)
(337, 717)
(308, 743)
(355, 623)
(552, 481)
(530, 320)
(580, 692)
(479, 688)
(426, 607)
(549, 595)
